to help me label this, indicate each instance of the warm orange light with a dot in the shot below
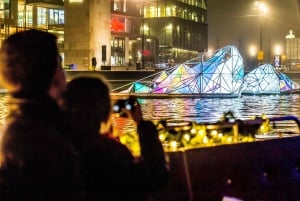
(117, 25)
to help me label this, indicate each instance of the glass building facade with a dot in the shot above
(18, 15)
(180, 27)
(142, 32)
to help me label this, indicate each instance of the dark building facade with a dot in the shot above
(180, 27)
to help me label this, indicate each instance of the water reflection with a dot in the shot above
(208, 109)
(211, 109)
(3, 108)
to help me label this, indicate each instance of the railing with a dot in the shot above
(178, 134)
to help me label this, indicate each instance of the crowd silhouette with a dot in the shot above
(53, 145)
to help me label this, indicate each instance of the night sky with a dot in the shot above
(232, 22)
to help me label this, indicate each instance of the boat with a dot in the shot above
(232, 159)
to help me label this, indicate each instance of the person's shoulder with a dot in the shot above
(114, 146)
(34, 135)
(110, 142)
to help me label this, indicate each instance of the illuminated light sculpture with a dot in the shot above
(265, 79)
(176, 82)
(137, 87)
(221, 75)
(141, 88)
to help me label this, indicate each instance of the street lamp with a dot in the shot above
(262, 9)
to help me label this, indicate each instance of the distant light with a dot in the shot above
(261, 7)
(290, 35)
(278, 50)
(252, 50)
(145, 27)
(76, 1)
(187, 137)
(169, 27)
(173, 144)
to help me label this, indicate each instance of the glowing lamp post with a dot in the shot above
(262, 9)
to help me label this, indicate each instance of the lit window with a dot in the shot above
(41, 16)
(117, 5)
(168, 11)
(152, 12)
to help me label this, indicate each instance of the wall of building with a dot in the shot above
(100, 31)
(293, 53)
(86, 30)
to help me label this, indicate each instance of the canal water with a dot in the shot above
(211, 109)
(208, 109)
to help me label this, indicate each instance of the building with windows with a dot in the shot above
(87, 32)
(18, 15)
(125, 27)
(292, 58)
(180, 27)
(134, 33)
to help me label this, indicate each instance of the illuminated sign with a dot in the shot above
(145, 53)
(260, 55)
(117, 24)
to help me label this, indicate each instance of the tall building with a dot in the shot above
(180, 26)
(134, 33)
(125, 27)
(87, 32)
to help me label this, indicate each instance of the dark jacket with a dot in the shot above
(110, 172)
(38, 164)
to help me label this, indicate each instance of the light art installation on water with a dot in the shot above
(221, 74)
(265, 79)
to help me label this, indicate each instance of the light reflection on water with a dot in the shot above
(3, 108)
(211, 109)
(208, 109)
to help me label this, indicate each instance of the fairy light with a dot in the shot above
(173, 145)
(193, 131)
(201, 132)
(162, 137)
(214, 133)
(205, 140)
(229, 139)
(186, 137)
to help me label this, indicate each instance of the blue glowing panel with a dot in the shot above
(222, 73)
(286, 83)
(225, 74)
(262, 80)
(141, 88)
(175, 82)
